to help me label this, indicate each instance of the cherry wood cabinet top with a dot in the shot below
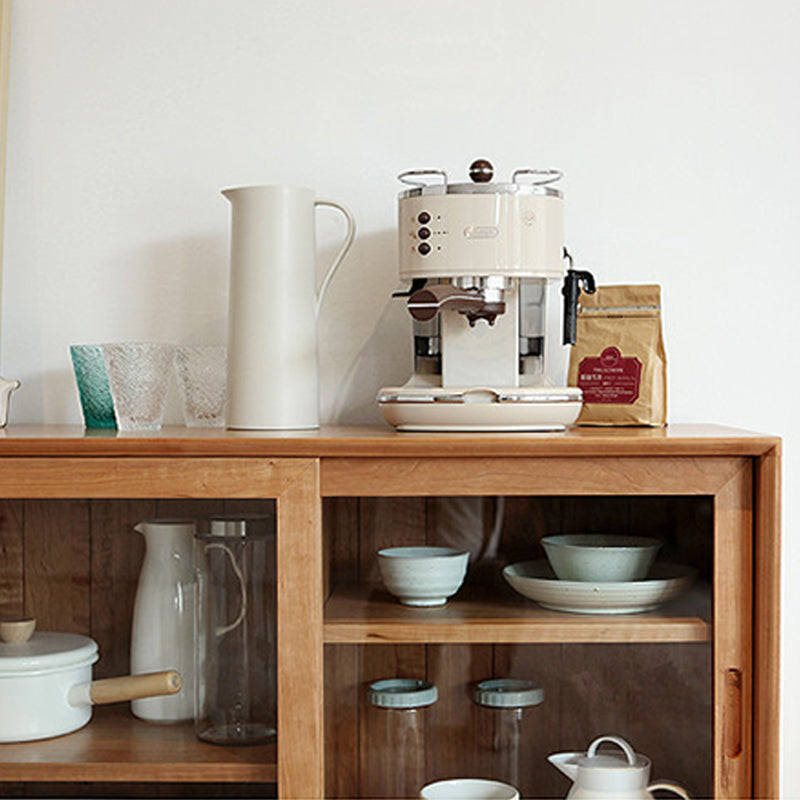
(383, 442)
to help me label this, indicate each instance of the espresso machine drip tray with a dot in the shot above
(417, 408)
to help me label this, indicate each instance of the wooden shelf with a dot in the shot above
(358, 614)
(379, 442)
(117, 747)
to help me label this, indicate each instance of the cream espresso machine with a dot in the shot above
(482, 259)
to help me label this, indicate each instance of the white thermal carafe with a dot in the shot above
(272, 380)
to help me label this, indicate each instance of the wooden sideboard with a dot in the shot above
(694, 684)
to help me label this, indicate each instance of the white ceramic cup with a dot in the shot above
(468, 789)
(422, 576)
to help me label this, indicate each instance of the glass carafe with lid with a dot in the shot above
(235, 700)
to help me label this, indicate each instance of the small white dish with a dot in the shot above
(536, 581)
(422, 576)
(600, 556)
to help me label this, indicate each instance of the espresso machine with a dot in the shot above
(482, 262)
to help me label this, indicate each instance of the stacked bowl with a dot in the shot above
(598, 573)
(600, 557)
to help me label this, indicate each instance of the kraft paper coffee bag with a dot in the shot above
(618, 360)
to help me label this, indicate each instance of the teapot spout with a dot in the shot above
(566, 763)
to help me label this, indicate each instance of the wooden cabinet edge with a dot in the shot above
(766, 658)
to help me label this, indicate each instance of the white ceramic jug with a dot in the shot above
(603, 776)
(163, 616)
(273, 380)
(6, 387)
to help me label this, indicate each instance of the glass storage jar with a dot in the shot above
(395, 754)
(504, 726)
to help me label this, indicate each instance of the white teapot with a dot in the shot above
(607, 775)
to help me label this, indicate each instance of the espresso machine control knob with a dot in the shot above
(481, 171)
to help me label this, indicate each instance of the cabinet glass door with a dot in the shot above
(647, 677)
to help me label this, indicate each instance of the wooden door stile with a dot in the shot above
(301, 754)
(733, 678)
(766, 621)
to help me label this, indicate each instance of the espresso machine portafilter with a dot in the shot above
(480, 260)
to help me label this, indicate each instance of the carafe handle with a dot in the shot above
(348, 240)
(223, 629)
(669, 786)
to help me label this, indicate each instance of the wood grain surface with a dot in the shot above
(381, 442)
(691, 685)
(115, 746)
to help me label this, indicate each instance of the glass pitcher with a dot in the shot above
(235, 697)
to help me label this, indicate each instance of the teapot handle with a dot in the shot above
(626, 748)
(348, 240)
(669, 786)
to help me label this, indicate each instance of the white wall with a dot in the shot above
(676, 124)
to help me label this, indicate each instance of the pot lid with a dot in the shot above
(46, 652)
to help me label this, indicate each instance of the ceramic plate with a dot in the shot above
(536, 581)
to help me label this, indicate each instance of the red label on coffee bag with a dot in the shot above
(610, 378)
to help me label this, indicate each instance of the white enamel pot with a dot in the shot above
(46, 686)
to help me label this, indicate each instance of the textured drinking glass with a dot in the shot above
(201, 383)
(138, 374)
(89, 367)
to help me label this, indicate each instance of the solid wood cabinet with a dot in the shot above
(693, 684)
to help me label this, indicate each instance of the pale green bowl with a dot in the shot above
(600, 557)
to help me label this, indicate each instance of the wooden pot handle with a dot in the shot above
(133, 687)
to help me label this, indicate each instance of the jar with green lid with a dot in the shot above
(394, 752)
(506, 719)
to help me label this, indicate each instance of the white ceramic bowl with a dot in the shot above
(600, 557)
(422, 576)
(468, 789)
